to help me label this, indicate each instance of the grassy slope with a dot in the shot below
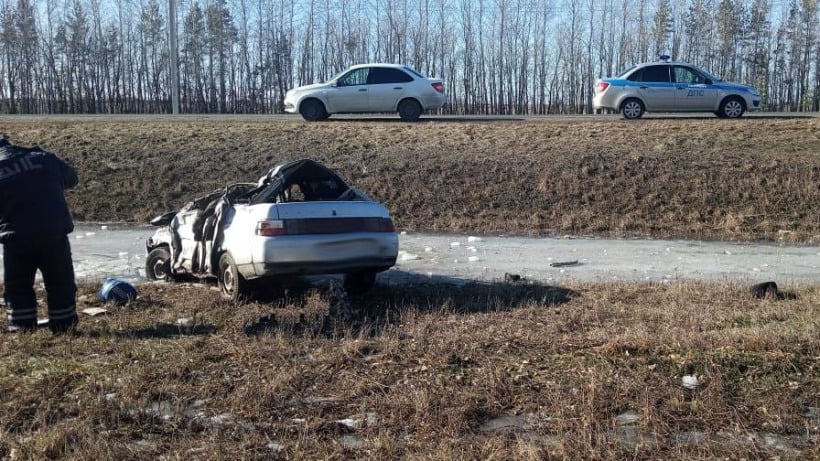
(715, 179)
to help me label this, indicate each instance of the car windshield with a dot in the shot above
(623, 73)
(710, 76)
(337, 76)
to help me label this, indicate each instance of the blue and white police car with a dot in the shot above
(669, 86)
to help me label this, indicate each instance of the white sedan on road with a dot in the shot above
(369, 88)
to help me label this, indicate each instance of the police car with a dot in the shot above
(668, 86)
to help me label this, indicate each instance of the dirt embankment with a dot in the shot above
(743, 179)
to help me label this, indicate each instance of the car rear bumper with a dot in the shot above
(322, 267)
(323, 254)
(434, 101)
(605, 100)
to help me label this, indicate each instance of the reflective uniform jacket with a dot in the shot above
(32, 200)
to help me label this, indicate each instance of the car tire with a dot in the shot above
(732, 107)
(158, 264)
(232, 284)
(632, 109)
(357, 283)
(313, 110)
(409, 110)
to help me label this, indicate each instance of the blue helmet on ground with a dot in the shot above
(117, 291)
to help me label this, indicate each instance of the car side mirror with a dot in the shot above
(708, 81)
(334, 84)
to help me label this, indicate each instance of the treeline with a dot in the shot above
(496, 56)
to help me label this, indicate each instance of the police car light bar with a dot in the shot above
(664, 57)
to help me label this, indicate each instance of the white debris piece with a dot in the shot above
(473, 259)
(184, 322)
(403, 232)
(405, 256)
(92, 311)
(90, 234)
(626, 418)
(428, 249)
(103, 227)
(473, 239)
(275, 446)
(122, 254)
(690, 381)
(455, 244)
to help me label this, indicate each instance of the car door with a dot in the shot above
(655, 87)
(387, 86)
(350, 92)
(693, 90)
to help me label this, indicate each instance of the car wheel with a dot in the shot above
(158, 264)
(632, 109)
(232, 284)
(409, 110)
(313, 110)
(732, 108)
(357, 283)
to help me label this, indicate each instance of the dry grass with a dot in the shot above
(422, 372)
(746, 179)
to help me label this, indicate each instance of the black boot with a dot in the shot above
(63, 326)
(21, 327)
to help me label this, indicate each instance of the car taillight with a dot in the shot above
(438, 86)
(271, 228)
(386, 225)
(602, 86)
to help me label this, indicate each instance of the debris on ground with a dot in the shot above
(564, 263)
(512, 278)
(94, 311)
(769, 290)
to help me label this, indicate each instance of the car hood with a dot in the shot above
(314, 86)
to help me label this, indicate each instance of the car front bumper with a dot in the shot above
(290, 104)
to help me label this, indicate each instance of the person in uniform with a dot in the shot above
(34, 227)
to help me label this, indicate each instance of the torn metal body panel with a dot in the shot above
(300, 218)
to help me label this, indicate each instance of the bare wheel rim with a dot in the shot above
(632, 109)
(159, 269)
(228, 281)
(733, 108)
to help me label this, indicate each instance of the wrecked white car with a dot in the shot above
(299, 219)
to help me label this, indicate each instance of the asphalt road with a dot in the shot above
(101, 251)
(395, 118)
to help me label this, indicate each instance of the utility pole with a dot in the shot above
(174, 58)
